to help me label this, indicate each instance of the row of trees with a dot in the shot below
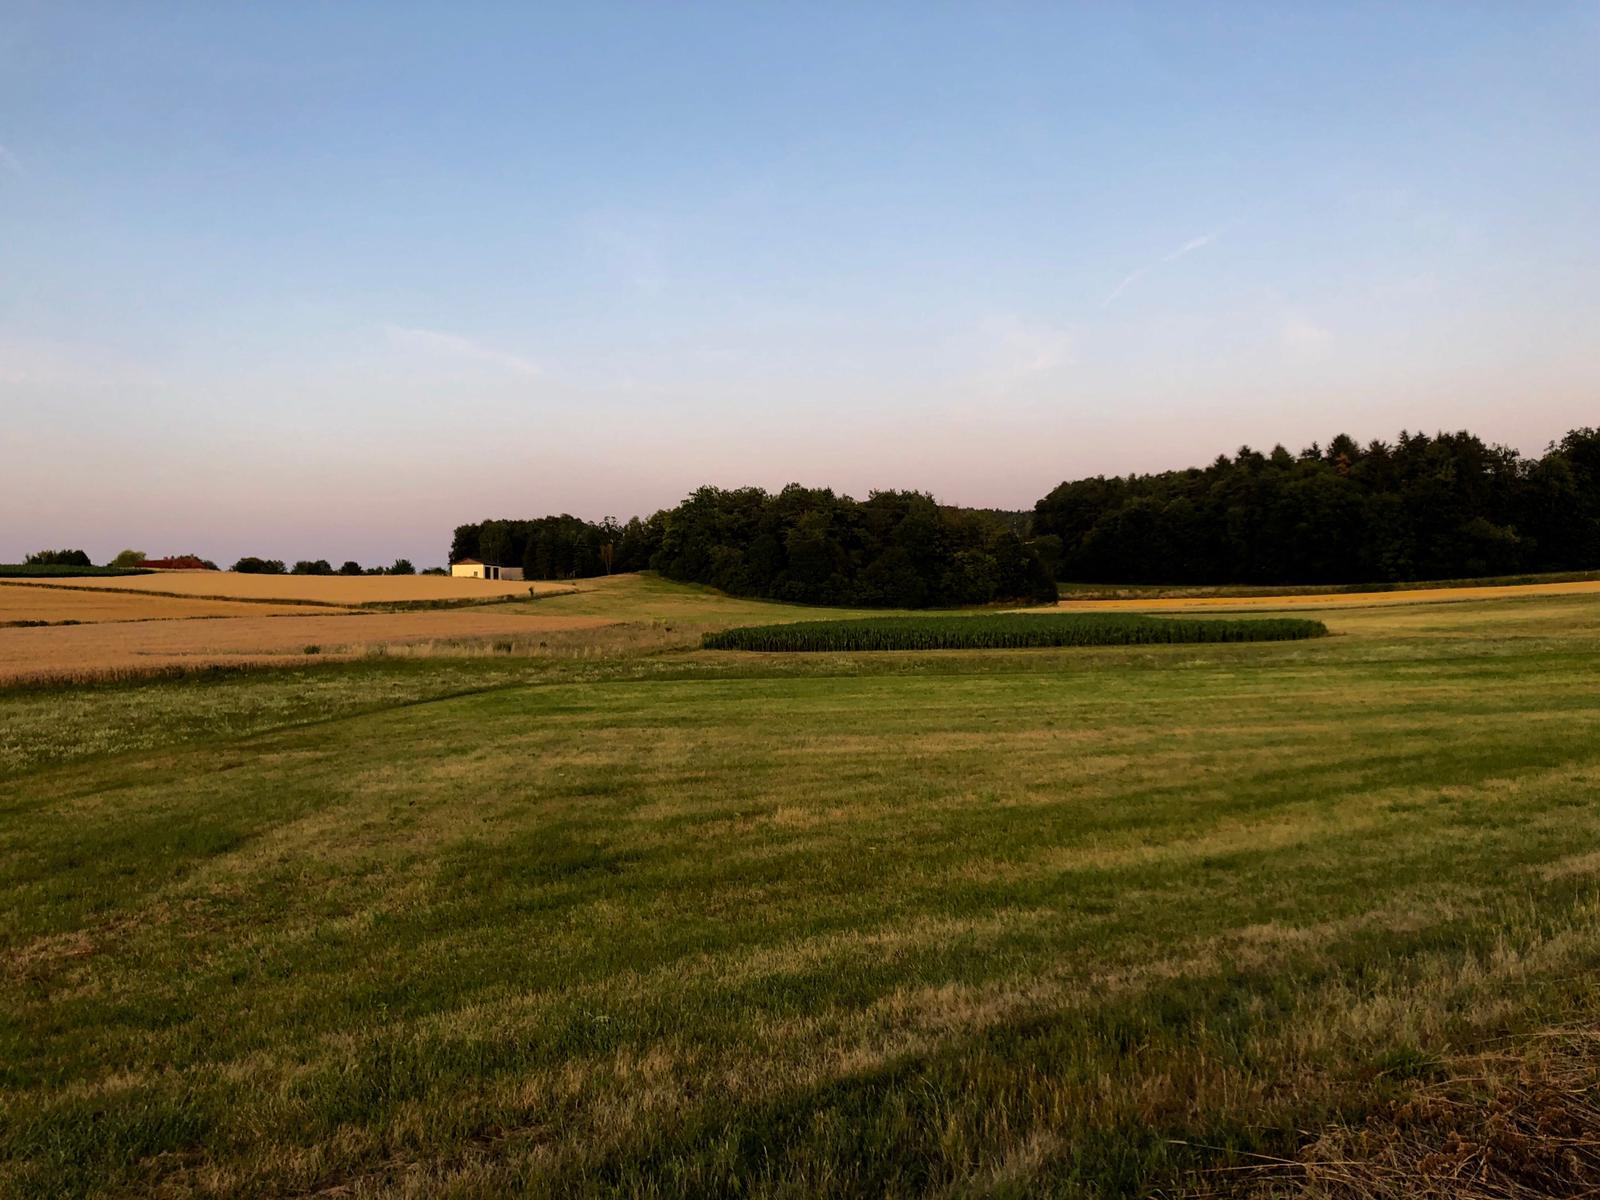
(275, 566)
(249, 565)
(895, 549)
(563, 547)
(58, 558)
(1442, 507)
(123, 559)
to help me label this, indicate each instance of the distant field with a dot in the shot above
(258, 638)
(650, 612)
(54, 605)
(618, 917)
(1176, 600)
(337, 590)
(1139, 591)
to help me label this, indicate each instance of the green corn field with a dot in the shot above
(1007, 631)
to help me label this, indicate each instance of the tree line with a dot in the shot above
(560, 547)
(251, 565)
(1442, 507)
(806, 545)
(248, 565)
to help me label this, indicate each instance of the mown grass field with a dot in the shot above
(652, 921)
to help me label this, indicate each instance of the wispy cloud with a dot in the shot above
(1302, 337)
(441, 344)
(1189, 247)
(49, 366)
(11, 162)
(629, 245)
(1020, 349)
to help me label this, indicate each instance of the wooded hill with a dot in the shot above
(807, 545)
(1443, 507)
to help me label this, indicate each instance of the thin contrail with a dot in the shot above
(1189, 247)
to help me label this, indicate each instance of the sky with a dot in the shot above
(309, 280)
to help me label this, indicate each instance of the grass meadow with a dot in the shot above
(618, 916)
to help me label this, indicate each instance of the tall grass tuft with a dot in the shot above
(1004, 631)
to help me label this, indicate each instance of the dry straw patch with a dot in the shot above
(1519, 1123)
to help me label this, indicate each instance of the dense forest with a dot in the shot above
(895, 549)
(1440, 507)
(564, 547)
(1443, 507)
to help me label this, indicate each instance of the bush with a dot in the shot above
(260, 566)
(1004, 631)
(350, 567)
(320, 567)
(57, 558)
(402, 566)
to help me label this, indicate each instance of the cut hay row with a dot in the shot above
(1005, 631)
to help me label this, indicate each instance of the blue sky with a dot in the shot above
(326, 280)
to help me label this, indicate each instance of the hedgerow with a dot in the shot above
(60, 571)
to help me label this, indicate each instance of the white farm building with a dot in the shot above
(471, 568)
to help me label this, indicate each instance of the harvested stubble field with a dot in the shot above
(85, 652)
(53, 605)
(1278, 918)
(1222, 600)
(348, 591)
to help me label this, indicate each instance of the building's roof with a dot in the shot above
(461, 562)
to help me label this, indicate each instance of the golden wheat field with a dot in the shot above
(304, 589)
(1309, 600)
(54, 605)
(126, 630)
(111, 649)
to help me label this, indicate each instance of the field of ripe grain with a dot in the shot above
(111, 650)
(337, 590)
(1082, 922)
(1323, 600)
(656, 612)
(21, 603)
